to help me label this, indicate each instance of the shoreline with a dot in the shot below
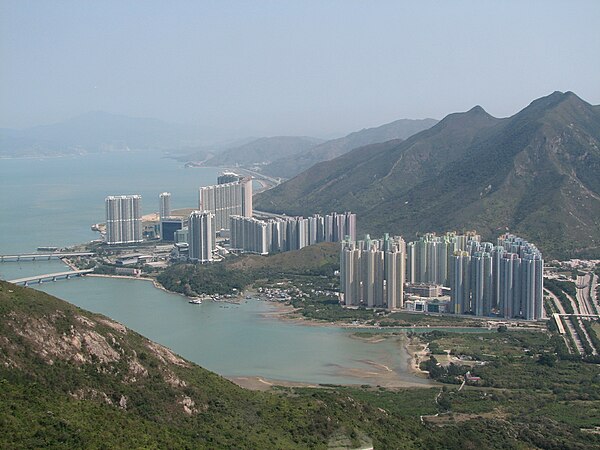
(285, 311)
(377, 373)
(380, 375)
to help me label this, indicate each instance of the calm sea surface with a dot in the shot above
(54, 202)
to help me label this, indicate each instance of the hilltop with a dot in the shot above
(536, 174)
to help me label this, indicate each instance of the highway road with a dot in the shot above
(570, 326)
(583, 298)
(575, 336)
(594, 299)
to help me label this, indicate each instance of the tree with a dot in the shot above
(547, 359)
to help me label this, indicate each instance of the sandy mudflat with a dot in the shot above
(264, 384)
(390, 380)
(374, 373)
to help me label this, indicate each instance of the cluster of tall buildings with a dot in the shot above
(484, 279)
(217, 203)
(252, 235)
(427, 258)
(232, 196)
(225, 206)
(372, 272)
(504, 279)
(123, 219)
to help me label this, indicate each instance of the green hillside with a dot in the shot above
(536, 174)
(71, 379)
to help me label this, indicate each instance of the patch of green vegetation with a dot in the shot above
(238, 272)
(523, 360)
(559, 288)
(195, 280)
(104, 269)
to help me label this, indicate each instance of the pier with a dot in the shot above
(42, 256)
(50, 277)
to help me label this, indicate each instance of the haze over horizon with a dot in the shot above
(281, 68)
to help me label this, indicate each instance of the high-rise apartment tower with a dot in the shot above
(123, 219)
(164, 205)
(226, 200)
(201, 236)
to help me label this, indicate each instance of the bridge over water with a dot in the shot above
(50, 277)
(42, 256)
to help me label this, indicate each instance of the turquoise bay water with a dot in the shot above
(15, 270)
(229, 339)
(54, 202)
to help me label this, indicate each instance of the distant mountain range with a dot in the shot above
(262, 150)
(286, 156)
(281, 156)
(287, 166)
(536, 174)
(94, 132)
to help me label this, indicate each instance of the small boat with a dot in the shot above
(195, 301)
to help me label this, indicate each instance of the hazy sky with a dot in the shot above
(291, 67)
